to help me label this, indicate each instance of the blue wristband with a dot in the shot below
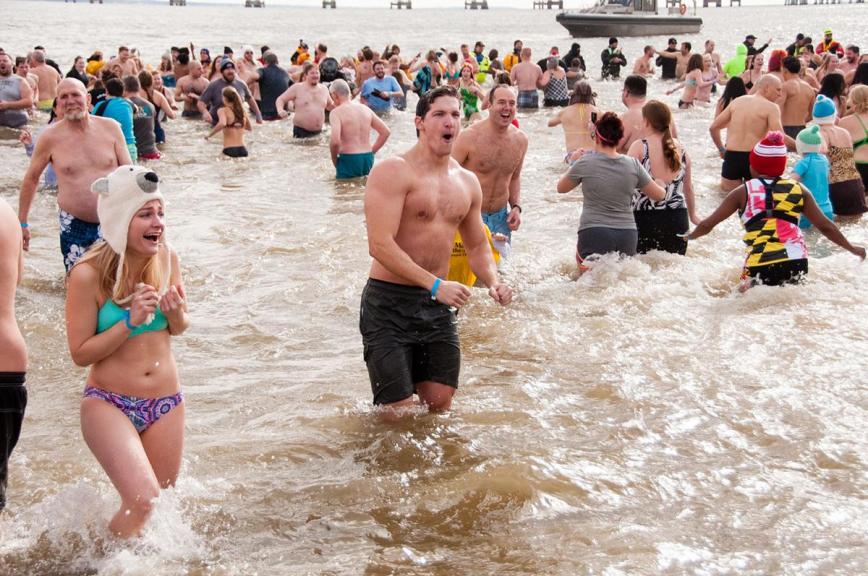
(127, 322)
(25, 225)
(434, 289)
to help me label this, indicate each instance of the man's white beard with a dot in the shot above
(76, 116)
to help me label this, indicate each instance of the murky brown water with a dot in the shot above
(644, 419)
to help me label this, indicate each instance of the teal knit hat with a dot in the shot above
(809, 140)
(824, 110)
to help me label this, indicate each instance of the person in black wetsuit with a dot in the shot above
(667, 65)
(612, 59)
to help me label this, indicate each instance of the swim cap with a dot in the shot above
(119, 196)
(809, 140)
(824, 110)
(769, 156)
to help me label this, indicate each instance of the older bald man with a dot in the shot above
(82, 148)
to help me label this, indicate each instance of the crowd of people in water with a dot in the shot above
(439, 216)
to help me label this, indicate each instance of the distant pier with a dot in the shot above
(548, 4)
(402, 4)
(805, 2)
(476, 4)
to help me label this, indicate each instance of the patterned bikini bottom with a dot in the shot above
(142, 412)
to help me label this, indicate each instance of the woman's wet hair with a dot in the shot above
(861, 75)
(582, 93)
(231, 95)
(694, 63)
(859, 98)
(659, 117)
(833, 85)
(453, 57)
(609, 129)
(146, 80)
(735, 88)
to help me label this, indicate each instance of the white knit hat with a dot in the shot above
(119, 196)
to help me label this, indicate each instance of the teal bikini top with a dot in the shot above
(110, 314)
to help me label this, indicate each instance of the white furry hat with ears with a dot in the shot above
(120, 195)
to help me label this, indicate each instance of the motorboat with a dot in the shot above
(629, 18)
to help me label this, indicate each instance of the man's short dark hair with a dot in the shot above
(792, 64)
(636, 85)
(688, 45)
(613, 40)
(672, 41)
(427, 99)
(131, 84)
(322, 47)
(270, 57)
(263, 50)
(183, 58)
(800, 36)
(853, 48)
(368, 53)
(114, 87)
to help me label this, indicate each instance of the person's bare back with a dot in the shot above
(752, 118)
(634, 126)
(526, 76)
(355, 122)
(47, 80)
(797, 102)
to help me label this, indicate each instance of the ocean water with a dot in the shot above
(645, 418)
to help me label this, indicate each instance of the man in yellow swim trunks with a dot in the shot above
(48, 79)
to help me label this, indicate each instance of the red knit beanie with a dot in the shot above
(769, 156)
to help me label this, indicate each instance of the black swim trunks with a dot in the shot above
(789, 272)
(408, 338)
(659, 230)
(13, 400)
(235, 152)
(793, 131)
(299, 132)
(736, 165)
